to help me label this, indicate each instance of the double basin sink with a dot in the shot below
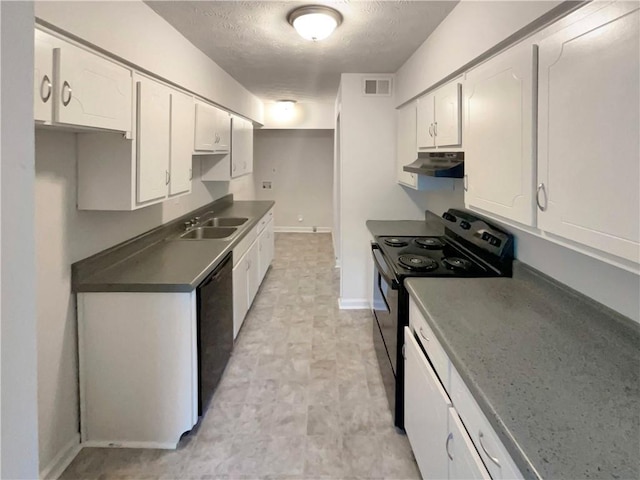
(214, 228)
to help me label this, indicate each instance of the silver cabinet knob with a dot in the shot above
(45, 83)
(541, 189)
(67, 87)
(167, 177)
(491, 457)
(446, 445)
(423, 335)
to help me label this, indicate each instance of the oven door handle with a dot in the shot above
(382, 266)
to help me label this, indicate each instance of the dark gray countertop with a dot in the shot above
(432, 226)
(555, 373)
(167, 264)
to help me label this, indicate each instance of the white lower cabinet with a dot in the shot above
(426, 407)
(449, 435)
(138, 365)
(251, 259)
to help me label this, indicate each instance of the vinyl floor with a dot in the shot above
(301, 398)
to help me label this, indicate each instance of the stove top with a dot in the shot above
(471, 247)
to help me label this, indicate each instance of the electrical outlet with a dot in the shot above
(266, 185)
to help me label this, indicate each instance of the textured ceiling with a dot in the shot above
(253, 42)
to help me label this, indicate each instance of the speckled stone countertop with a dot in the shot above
(431, 226)
(556, 374)
(165, 263)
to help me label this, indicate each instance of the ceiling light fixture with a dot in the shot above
(314, 22)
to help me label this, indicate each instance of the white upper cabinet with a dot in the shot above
(212, 129)
(438, 118)
(182, 131)
(90, 91)
(499, 102)
(43, 77)
(153, 130)
(241, 147)
(588, 124)
(405, 144)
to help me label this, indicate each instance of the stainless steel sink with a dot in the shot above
(207, 233)
(225, 222)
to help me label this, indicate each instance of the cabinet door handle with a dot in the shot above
(191, 174)
(45, 82)
(431, 130)
(423, 335)
(491, 457)
(404, 347)
(248, 265)
(542, 189)
(234, 167)
(435, 129)
(446, 445)
(167, 177)
(465, 182)
(66, 86)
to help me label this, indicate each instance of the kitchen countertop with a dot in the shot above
(170, 264)
(556, 374)
(430, 227)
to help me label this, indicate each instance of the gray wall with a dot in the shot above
(299, 165)
(19, 452)
(65, 235)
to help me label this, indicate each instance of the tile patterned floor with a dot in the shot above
(301, 397)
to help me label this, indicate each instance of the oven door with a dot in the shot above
(385, 325)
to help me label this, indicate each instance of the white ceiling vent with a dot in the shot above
(379, 87)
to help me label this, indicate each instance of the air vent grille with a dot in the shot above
(379, 87)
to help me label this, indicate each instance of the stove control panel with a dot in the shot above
(478, 231)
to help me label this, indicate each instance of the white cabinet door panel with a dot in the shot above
(153, 131)
(499, 156)
(240, 294)
(253, 271)
(205, 129)
(91, 91)
(43, 77)
(464, 461)
(182, 125)
(223, 129)
(426, 407)
(425, 136)
(588, 139)
(406, 144)
(447, 115)
(266, 249)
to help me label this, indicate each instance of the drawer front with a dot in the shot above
(242, 247)
(436, 353)
(491, 450)
(264, 221)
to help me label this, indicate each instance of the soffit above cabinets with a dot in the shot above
(254, 43)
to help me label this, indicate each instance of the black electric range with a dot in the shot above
(470, 247)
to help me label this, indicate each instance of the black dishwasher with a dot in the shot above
(215, 329)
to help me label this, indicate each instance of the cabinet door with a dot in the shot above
(426, 408)
(205, 130)
(464, 461)
(499, 156)
(447, 126)
(406, 144)
(253, 271)
(588, 127)
(223, 131)
(425, 117)
(240, 294)
(266, 249)
(241, 147)
(153, 130)
(43, 77)
(91, 91)
(182, 131)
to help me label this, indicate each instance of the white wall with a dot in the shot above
(472, 28)
(299, 165)
(132, 31)
(303, 116)
(65, 235)
(19, 427)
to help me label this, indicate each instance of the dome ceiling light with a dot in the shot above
(314, 22)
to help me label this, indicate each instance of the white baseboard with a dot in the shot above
(301, 229)
(126, 444)
(353, 304)
(61, 461)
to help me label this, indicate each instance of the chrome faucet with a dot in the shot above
(191, 223)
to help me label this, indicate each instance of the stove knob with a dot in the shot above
(465, 225)
(494, 241)
(485, 236)
(449, 217)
